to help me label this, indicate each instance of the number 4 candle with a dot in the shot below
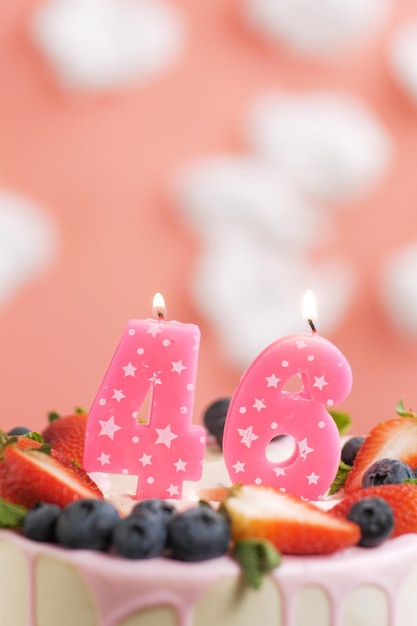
(261, 409)
(155, 358)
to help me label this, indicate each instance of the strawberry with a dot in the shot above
(66, 435)
(393, 439)
(402, 499)
(292, 525)
(29, 475)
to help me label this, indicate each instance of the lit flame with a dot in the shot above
(310, 308)
(158, 306)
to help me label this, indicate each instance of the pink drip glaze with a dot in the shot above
(156, 582)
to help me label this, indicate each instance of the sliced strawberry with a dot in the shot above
(67, 434)
(393, 439)
(401, 498)
(292, 525)
(28, 476)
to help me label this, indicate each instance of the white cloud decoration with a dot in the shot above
(403, 57)
(316, 27)
(29, 242)
(258, 232)
(104, 44)
(330, 143)
(398, 288)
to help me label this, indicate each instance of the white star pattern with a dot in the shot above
(129, 369)
(104, 459)
(165, 436)
(259, 405)
(108, 428)
(304, 448)
(154, 330)
(118, 395)
(239, 466)
(312, 478)
(180, 465)
(272, 381)
(178, 367)
(145, 459)
(154, 379)
(279, 471)
(248, 436)
(173, 490)
(320, 382)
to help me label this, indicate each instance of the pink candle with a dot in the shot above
(156, 360)
(261, 409)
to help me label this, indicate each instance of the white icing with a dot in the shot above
(28, 242)
(398, 288)
(330, 143)
(403, 57)
(104, 44)
(317, 28)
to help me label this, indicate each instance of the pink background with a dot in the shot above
(101, 165)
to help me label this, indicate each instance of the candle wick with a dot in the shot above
(160, 315)
(312, 326)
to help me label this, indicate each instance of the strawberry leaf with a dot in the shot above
(339, 481)
(34, 436)
(256, 557)
(11, 515)
(53, 416)
(402, 412)
(342, 420)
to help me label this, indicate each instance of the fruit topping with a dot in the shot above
(67, 435)
(351, 449)
(198, 534)
(292, 525)
(87, 524)
(18, 430)
(386, 472)
(140, 536)
(161, 508)
(375, 518)
(401, 498)
(393, 439)
(39, 523)
(215, 418)
(29, 474)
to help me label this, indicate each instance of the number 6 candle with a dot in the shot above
(261, 409)
(159, 358)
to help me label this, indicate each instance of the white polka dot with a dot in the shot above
(102, 401)
(284, 363)
(150, 480)
(140, 350)
(330, 402)
(135, 439)
(166, 342)
(125, 472)
(190, 386)
(274, 425)
(242, 410)
(282, 489)
(135, 415)
(321, 424)
(183, 409)
(202, 440)
(131, 331)
(258, 481)
(310, 357)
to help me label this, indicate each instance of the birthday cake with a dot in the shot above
(324, 578)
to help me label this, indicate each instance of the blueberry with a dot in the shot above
(386, 472)
(140, 536)
(198, 534)
(161, 508)
(215, 418)
(375, 518)
(39, 523)
(87, 524)
(351, 448)
(18, 430)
